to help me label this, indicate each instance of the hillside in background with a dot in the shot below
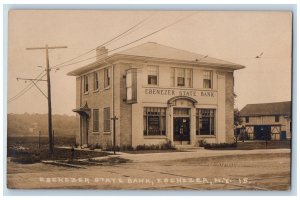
(29, 125)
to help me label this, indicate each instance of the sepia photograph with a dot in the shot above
(149, 100)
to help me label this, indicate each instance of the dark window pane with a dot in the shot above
(247, 119)
(277, 118)
(152, 80)
(180, 81)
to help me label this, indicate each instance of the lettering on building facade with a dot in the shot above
(173, 92)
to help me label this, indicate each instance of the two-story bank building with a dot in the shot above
(158, 93)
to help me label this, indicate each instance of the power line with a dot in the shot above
(24, 90)
(148, 35)
(46, 48)
(116, 38)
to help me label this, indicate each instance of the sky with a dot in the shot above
(234, 36)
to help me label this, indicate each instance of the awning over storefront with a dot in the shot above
(84, 110)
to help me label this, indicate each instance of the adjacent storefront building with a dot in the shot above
(267, 120)
(158, 93)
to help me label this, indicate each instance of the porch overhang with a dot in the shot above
(84, 110)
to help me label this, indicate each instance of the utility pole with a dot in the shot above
(49, 90)
(114, 139)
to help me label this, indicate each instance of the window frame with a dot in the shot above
(96, 120)
(106, 120)
(96, 81)
(247, 119)
(277, 118)
(210, 79)
(155, 112)
(186, 76)
(85, 84)
(156, 75)
(107, 77)
(211, 120)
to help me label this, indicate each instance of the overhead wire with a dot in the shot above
(127, 44)
(116, 38)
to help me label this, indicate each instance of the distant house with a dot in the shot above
(272, 120)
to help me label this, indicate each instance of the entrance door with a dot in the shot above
(181, 129)
(84, 129)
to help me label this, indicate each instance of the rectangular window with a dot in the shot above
(106, 77)
(152, 75)
(181, 77)
(96, 81)
(131, 85)
(106, 114)
(95, 120)
(207, 79)
(205, 119)
(188, 78)
(172, 77)
(85, 83)
(276, 118)
(154, 121)
(247, 119)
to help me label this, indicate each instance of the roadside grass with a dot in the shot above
(25, 151)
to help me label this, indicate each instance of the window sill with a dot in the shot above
(155, 136)
(96, 91)
(95, 133)
(107, 88)
(106, 132)
(206, 136)
(86, 93)
(152, 85)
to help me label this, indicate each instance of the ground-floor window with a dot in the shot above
(95, 120)
(106, 114)
(154, 121)
(205, 122)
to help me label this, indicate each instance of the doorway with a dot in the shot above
(181, 129)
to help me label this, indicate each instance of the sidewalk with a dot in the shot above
(154, 157)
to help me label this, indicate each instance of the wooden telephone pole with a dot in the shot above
(49, 90)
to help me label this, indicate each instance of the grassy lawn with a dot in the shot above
(27, 155)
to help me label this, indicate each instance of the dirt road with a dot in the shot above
(199, 170)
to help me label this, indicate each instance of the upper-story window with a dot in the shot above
(85, 83)
(106, 77)
(247, 119)
(207, 79)
(276, 118)
(181, 77)
(96, 81)
(152, 75)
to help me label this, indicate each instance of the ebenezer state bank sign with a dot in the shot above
(163, 94)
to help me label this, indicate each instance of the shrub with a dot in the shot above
(26, 159)
(127, 148)
(111, 148)
(167, 146)
(164, 146)
(98, 146)
(202, 143)
(219, 145)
